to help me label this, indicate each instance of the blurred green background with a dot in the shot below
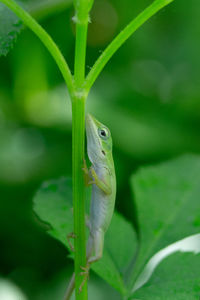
(148, 95)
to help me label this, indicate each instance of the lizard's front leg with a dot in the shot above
(91, 177)
(99, 182)
(86, 173)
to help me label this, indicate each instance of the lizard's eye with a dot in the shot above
(103, 133)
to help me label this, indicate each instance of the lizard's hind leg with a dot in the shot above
(98, 242)
(90, 246)
(95, 243)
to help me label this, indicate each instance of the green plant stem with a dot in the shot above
(121, 38)
(80, 55)
(46, 40)
(78, 150)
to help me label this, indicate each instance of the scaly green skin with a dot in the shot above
(102, 176)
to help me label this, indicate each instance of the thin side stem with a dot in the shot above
(46, 40)
(121, 38)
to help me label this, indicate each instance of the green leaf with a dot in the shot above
(167, 198)
(119, 250)
(53, 205)
(10, 26)
(176, 278)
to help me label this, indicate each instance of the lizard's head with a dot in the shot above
(99, 141)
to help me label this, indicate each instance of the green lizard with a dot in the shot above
(102, 176)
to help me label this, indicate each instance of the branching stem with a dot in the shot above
(79, 88)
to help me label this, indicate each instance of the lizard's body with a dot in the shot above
(99, 149)
(102, 177)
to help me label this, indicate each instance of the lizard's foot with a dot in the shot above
(71, 236)
(85, 273)
(86, 173)
(85, 168)
(93, 175)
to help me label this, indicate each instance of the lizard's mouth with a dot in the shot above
(88, 119)
(91, 130)
(93, 143)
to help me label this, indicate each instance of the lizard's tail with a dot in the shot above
(70, 288)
